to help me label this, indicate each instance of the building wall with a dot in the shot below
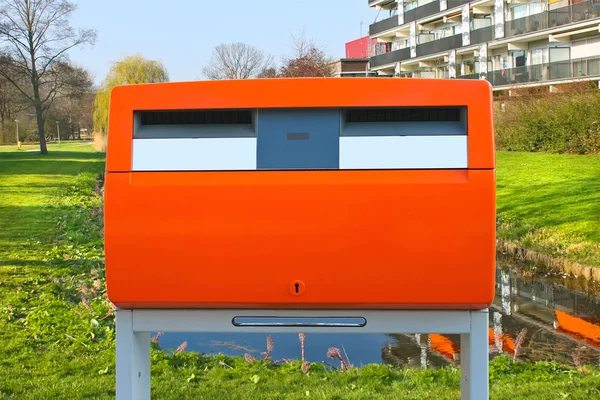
(359, 48)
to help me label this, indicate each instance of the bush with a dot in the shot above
(567, 123)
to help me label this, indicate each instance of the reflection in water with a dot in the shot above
(558, 316)
(561, 314)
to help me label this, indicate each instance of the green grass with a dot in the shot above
(57, 336)
(65, 146)
(551, 203)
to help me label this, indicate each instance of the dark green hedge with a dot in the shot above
(567, 123)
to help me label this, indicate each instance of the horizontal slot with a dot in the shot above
(405, 121)
(334, 322)
(193, 124)
(297, 136)
(404, 114)
(196, 117)
(403, 152)
(208, 154)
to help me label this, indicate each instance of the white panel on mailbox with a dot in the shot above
(403, 152)
(205, 154)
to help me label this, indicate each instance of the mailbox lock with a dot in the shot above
(297, 288)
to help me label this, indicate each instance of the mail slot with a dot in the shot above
(301, 193)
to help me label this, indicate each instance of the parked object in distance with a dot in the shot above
(301, 193)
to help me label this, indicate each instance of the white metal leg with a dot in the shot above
(474, 359)
(133, 359)
(134, 327)
(465, 363)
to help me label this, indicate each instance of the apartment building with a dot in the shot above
(511, 43)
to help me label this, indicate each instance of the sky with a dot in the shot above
(183, 33)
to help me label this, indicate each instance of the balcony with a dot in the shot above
(482, 35)
(436, 46)
(553, 18)
(391, 57)
(569, 69)
(411, 15)
(384, 25)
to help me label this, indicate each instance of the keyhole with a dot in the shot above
(296, 288)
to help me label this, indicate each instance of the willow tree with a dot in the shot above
(129, 70)
(35, 36)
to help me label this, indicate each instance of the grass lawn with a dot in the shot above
(551, 203)
(57, 330)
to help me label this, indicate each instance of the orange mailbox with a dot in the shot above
(301, 193)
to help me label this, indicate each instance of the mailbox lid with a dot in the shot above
(299, 93)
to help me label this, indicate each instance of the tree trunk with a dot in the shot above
(39, 113)
(40, 123)
(37, 101)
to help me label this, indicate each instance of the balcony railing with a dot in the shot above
(469, 76)
(391, 57)
(457, 3)
(553, 18)
(586, 67)
(577, 68)
(482, 35)
(383, 25)
(426, 9)
(436, 46)
(422, 11)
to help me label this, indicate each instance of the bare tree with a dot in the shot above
(236, 61)
(11, 102)
(307, 59)
(302, 44)
(36, 34)
(74, 104)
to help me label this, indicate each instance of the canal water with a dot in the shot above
(537, 315)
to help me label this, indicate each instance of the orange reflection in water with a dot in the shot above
(578, 326)
(448, 349)
(443, 346)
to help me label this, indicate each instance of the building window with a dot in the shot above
(399, 44)
(481, 22)
(421, 3)
(559, 54)
(525, 10)
(410, 6)
(468, 67)
(538, 56)
(519, 58)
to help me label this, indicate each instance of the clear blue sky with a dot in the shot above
(183, 33)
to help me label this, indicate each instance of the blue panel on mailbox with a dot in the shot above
(298, 139)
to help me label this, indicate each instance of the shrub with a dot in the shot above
(556, 123)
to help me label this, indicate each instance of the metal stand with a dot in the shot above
(134, 327)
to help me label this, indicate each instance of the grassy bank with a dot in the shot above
(57, 329)
(551, 203)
